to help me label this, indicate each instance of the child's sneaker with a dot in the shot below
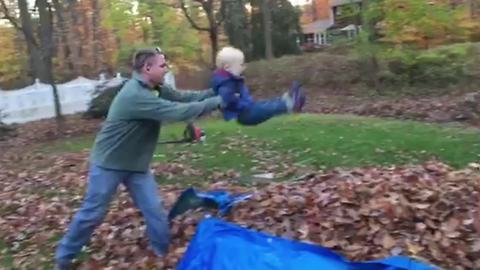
(298, 97)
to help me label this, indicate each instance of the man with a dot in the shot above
(123, 150)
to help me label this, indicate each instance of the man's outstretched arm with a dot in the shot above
(169, 93)
(150, 107)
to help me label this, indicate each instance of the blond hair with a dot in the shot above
(228, 56)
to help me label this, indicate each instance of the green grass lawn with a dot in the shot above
(319, 141)
(6, 259)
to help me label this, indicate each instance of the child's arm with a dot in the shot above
(230, 95)
(169, 93)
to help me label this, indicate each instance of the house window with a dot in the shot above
(323, 38)
(309, 38)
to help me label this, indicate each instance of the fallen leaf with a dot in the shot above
(414, 249)
(388, 242)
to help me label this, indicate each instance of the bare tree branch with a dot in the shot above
(27, 27)
(7, 16)
(27, 32)
(189, 18)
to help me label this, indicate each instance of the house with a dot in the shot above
(325, 20)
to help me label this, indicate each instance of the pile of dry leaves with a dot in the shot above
(421, 211)
(448, 108)
(46, 130)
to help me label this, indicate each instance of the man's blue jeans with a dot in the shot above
(102, 186)
(261, 111)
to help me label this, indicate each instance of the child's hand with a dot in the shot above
(229, 97)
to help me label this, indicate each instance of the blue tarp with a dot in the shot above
(192, 199)
(218, 245)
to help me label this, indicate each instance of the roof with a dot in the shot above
(317, 26)
(349, 27)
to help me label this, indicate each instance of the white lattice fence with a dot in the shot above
(35, 102)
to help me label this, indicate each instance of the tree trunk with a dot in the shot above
(370, 66)
(213, 29)
(267, 26)
(213, 34)
(74, 43)
(40, 50)
(46, 37)
(95, 34)
(213, 23)
(375, 68)
(64, 27)
(37, 66)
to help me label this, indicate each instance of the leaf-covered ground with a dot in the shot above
(365, 208)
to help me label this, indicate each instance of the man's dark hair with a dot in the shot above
(144, 57)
